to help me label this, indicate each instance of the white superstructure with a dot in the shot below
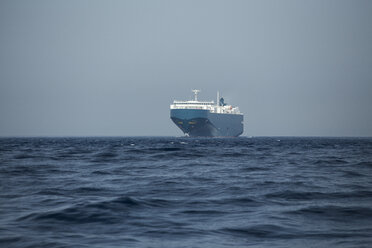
(211, 106)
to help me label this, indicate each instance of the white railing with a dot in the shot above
(193, 102)
(205, 107)
(228, 109)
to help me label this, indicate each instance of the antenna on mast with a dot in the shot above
(196, 94)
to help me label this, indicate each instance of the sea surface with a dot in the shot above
(186, 192)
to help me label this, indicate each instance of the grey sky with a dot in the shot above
(113, 67)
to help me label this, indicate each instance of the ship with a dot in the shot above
(207, 119)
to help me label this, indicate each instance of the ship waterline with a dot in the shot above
(206, 119)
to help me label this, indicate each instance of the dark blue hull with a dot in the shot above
(197, 122)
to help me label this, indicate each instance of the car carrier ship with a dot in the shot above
(199, 118)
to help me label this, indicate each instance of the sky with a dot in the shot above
(112, 68)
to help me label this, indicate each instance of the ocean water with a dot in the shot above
(185, 192)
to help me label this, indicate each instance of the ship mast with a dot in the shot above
(196, 94)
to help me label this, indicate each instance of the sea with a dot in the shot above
(185, 192)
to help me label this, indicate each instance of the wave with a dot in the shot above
(335, 161)
(106, 155)
(205, 212)
(110, 211)
(258, 231)
(306, 195)
(365, 164)
(154, 150)
(339, 213)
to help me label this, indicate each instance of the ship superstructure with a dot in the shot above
(205, 118)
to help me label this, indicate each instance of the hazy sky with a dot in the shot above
(81, 68)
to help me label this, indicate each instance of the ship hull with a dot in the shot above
(203, 123)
